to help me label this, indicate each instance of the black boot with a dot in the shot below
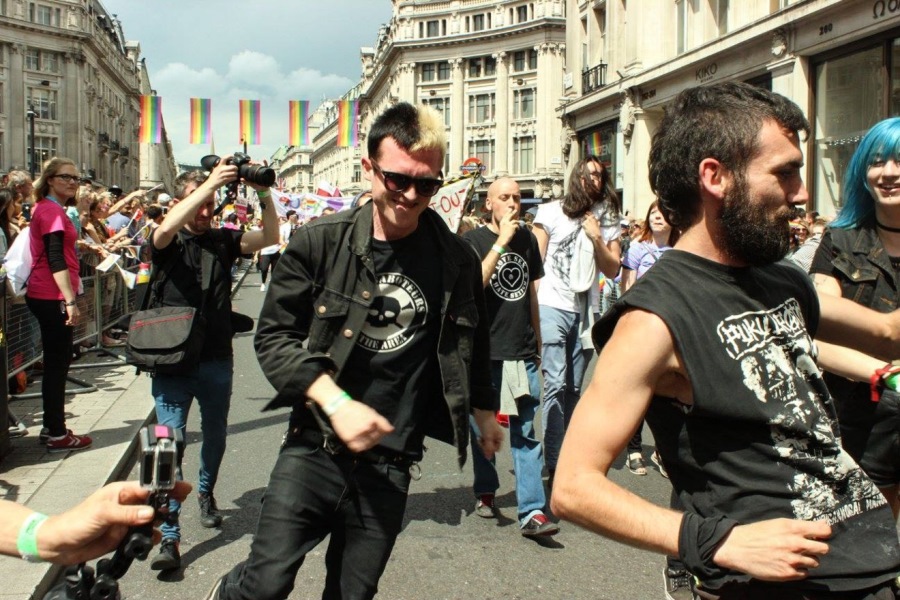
(209, 512)
(168, 558)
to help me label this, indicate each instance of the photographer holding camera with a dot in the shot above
(185, 249)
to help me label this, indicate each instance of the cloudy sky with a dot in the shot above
(267, 50)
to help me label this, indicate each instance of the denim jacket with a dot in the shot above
(321, 293)
(857, 259)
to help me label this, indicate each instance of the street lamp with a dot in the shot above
(31, 115)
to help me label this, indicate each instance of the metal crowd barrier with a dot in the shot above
(106, 300)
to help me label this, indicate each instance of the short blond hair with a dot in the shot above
(414, 128)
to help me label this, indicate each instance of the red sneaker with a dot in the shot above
(68, 442)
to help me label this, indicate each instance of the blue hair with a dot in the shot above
(881, 142)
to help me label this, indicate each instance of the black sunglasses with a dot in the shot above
(397, 182)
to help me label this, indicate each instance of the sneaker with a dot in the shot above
(70, 441)
(677, 585)
(635, 463)
(262, 287)
(484, 508)
(209, 512)
(169, 557)
(658, 462)
(539, 526)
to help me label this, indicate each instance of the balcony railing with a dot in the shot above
(593, 78)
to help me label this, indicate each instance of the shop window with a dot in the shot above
(849, 92)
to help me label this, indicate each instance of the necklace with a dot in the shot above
(886, 228)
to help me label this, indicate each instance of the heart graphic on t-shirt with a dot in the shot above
(512, 278)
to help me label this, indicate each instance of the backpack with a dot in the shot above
(18, 264)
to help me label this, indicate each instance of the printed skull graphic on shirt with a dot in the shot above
(397, 309)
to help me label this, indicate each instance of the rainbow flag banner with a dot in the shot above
(594, 144)
(298, 131)
(250, 122)
(151, 120)
(201, 121)
(348, 124)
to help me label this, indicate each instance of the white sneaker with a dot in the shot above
(262, 287)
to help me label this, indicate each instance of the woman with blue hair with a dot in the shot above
(859, 258)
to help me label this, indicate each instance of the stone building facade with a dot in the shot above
(625, 61)
(494, 69)
(66, 62)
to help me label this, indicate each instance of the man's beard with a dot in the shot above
(751, 234)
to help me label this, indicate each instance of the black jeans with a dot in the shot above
(267, 263)
(311, 494)
(56, 339)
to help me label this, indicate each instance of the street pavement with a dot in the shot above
(444, 552)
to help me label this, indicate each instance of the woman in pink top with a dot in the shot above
(50, 295)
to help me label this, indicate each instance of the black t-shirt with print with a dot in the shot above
(507, 294)
(760, 440)
(182, 287)
(394, 367)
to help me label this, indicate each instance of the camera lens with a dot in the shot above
(257, 174)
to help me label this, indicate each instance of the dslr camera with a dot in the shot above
(258, 174)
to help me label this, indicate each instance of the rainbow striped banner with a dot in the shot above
(348, 124)
(298, 128)
(151, 120)
(201, 121)
(594, 144)
(250, 122)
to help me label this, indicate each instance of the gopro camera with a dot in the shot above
(159, 457)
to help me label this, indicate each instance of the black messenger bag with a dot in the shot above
(168, 339)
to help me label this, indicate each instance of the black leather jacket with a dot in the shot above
(321, 293)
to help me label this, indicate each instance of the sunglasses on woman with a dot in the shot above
(397, 182)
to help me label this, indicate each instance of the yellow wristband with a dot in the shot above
(333, 405)
(27, 540)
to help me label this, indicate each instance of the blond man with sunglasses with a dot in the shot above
(391, 307)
